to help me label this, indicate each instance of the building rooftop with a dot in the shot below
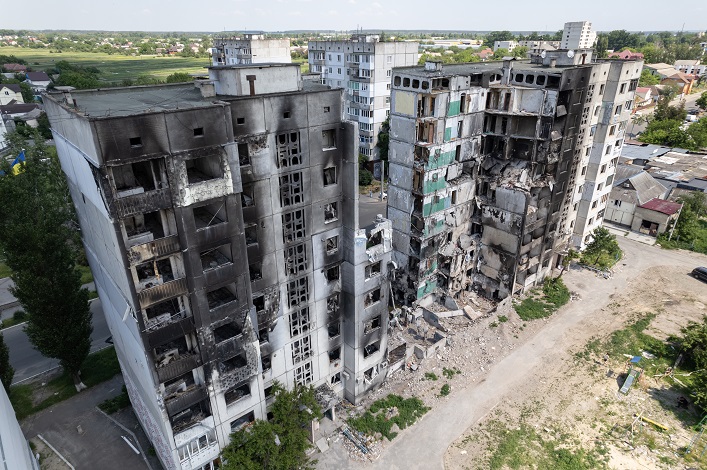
(678, 166)
(661, 205)
(643, 151)
(126, 101)
(447, 70)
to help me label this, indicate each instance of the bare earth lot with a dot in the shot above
(543, 375)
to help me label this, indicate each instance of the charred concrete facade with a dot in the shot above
(485, 160)
(220, 221)
(610, 101)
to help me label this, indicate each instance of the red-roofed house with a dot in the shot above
(15, 68)
(643, 96)
(654, 216)
(626, 55)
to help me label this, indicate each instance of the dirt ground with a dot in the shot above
(540, 372)
(580, 397)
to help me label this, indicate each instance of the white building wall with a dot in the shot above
(364, 69)
(617, 97)
(14, 448)
(578, 35)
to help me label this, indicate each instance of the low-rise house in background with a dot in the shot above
(15, 68)
(690, 67)
(39, 81)
(643, 96)
(660, 69)
(655, 216)
(682, 80)
(10, 93)
(632, 188)
(626, 55)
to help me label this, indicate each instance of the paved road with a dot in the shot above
(368, 208)
(28, 362)
(83, 435)
(423, 446)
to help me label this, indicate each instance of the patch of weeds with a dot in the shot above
(431, 376)
(541, 303)
(502, 319)
(387, 411)
(445, 390)
(493, 324)
(112, 405)
(524, 448)
(450, 373)
(86, 275)
(92, 294)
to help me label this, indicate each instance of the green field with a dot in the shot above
(114, 68)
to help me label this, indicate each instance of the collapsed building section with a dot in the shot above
(221, 224)
(485, 160)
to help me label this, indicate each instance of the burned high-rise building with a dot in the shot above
(220, 222)
(485, 164)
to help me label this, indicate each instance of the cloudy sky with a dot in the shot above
(278, 15)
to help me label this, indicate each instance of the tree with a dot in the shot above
(567, 260)
(693, 344)
(602, 45)
(669, 133)
(494, 36)
(364, 176)
(27, 93)
(702, 101)
(282, 442)
(648, 79)
(500, 53)
(520, 51)
(6, 370)
(384, 139)
(38, 234)
(603, 242)
(698, 132)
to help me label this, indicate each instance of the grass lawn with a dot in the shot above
(4, 270)
(114, 68)
(86, 275)
(99, 367)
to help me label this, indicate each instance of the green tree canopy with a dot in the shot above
(6, 370)
(603, 242)
(179, 77)
(282, 442)
(693, 343)
(648, 79)
(494, 36)
(38, 234)
(702, 101)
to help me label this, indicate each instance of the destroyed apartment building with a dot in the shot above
(487, 167)
(220, 221)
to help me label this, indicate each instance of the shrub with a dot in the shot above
(445, 390)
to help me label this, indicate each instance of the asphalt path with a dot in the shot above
(28, 362)
(368, 208)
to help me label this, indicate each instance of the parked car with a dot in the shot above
(700, 273)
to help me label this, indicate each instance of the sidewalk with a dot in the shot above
(621, 231)
(82, 434)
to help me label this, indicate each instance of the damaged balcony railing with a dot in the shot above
(165, 319)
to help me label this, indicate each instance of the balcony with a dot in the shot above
(153, 249)
(182, 400)
(170, 331)
(157, 293)
(178, 366)
(139, 203)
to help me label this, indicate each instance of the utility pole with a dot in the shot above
(382, 178)
(676, 222)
